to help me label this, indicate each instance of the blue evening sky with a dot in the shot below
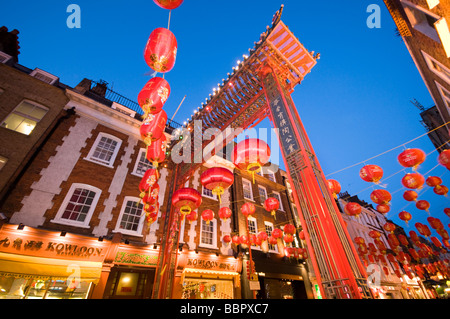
(355, 104)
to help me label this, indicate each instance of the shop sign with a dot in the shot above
(210, 264)
(136, 259)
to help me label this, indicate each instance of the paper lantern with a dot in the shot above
(443, 233)
(226, 239)
(411, 157)
(161, 50)
(277, 233)
(393, 241)
(440, 190)
(217, 179)
(154, 95)
(405, 216)
(262, 235)
(149, 179)
(289, 229)
(410, 195)
(436, 241)
(433, 181)
(235, 239)
(380, 196)
(192, 216)
(413, 181)
(389, 227)
(250, 155)
(423, 205)
(444, 158)
(271, 205)
(207, 216)
(423, 229)
(352, 209)
(248, 209)
(288, 239)
(152, 196)
(156, 152)
(186, 200)
(414, 237)
(435, 223)
(359, 240)
(383, 208)
(371, 173)
(334, 187)
(374, 234)
(153, 126)
(403, 240)
(447, 211)
(224, 213)
(168, 4)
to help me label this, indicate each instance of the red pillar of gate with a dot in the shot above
(328, 256)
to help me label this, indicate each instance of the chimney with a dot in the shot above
(9, 43)
(100, 88)
(83, 86)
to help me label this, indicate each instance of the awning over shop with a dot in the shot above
(22, 266)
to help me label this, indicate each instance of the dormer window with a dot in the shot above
(44, 76)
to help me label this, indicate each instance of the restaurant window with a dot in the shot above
(142, 163)
(129, 284)
(208, 232)
(24, 117)
(247, 189)
(105, 149)
(198, 288)
(131, 216)
(78, 206)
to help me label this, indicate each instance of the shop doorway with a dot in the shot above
(129, 283)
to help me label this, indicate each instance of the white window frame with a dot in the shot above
(4, 57)
(85, 224)
(269, 224)
(142, 151)
(253, 220)
(279, 199)
(138, 231)
(445, 95)
(214, 239)
(423, 27)
(36, 72)
(270, 173)
(26, 116)
(246, 181)
(205, 193)
(429, 60)
(259, 194)
(90, 157)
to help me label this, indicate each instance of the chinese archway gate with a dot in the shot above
(261, 87)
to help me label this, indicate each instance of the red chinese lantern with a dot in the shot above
(154, 95)
(436, 241)
(217, 179)
(248, 209)
(435, 223)
(150, 218)
(161, 50)
(168, 4)
(243, 240)
(153, 126)
(393, 241)
(390, 227)
(410, 196)
(250, 155)
(423, 229)
(262, 235)
(433, 181)
(411, 157)
(381, 247)
(413, 181)
(414, 237)
(152, 196)
(443, 233)
(289, 229)
(414, 254)
(277, 233)
(380, 196)
(383, 208)
(288, 239)
(444, 158)
(423, 205)
(149, 179)
(386, 271)
(405, 216)
(226, 239)
(272, 240)
(447, 211)
(371, 173)
(374, 234)
(156, 152)
(186, 200)
(235, 239)
(207, 215)
(334, 187)
(271, 204)
(440, 190)
(192, 216)
(225, 213)
(359, 240)
(352, 209)
(446, 243)
(403, 240)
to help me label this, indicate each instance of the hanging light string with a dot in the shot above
(392, 149)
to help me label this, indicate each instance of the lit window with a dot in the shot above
(105, 149)
(24, 117)
(208, 234)
(142, 163)
(78, 206)
(262, 194)
(252, 226)
(269, 229)
(247, 188)
(131, 217)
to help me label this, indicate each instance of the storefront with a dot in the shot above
(207, 276)
(40, 264)
(133, 272)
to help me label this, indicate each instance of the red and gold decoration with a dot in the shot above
(440, 190)
(153, 126)
(217, 179)
(411, 157)
(423, 205)
(444, 158)
(161, 50)
(154, 95)
(371, 173)
(208, 216)
(271, 205)
(156, 152)
(413, 181)
(381, 196)
(186, 200)
(250, 155)
(410, 195)
(405, 216)
(334, 187)
(389, 227)
(352, 209)
(225, 213)
(248, 209)
(168, 4)
(383, 208)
